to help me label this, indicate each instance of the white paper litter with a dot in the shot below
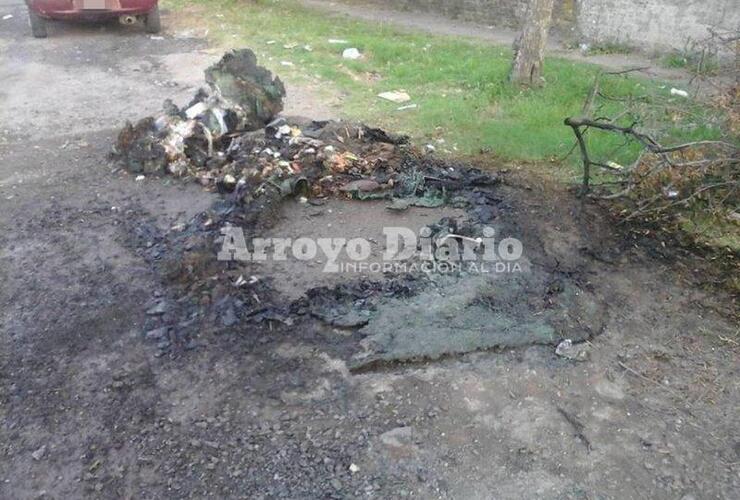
(397, 96)
(352, 53)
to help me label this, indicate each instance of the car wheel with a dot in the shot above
(38, 24)
(151, 22)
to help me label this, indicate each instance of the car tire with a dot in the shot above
(151, 22)
(38, 24)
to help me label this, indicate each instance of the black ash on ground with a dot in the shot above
(231, 140)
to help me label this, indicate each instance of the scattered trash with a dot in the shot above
(576, 352)
(228, 318)
(140, 178)
(670, 193)
(158, 309)
(39, 453)
(228, 146)
(679, 92)
(156, 37)
(286, 63)
(157, 333)
(353, 468)
(409, 106)
(428, 200)
(364, 185)
(7, 16)
(285, 130)
(352, 319)
(396, 96)
(351, 53)
(399, 205)
(338, 41)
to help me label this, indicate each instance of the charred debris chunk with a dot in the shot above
(231, 138)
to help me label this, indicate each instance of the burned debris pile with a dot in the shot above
(231, 139)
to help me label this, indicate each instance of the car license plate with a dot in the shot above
(93, 4)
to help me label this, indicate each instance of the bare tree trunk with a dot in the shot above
(529, 48)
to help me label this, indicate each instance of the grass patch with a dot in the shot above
(694, 62)
(713, 230)
(459, 85)
(610, 48)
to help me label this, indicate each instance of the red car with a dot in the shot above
(127, 12)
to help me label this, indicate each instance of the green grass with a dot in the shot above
(675, 60)
(459, 85)
(692, 62)
(610, 48)
(714, 231)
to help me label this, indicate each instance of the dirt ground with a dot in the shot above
(89, 409)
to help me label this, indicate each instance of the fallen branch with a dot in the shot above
(646, 140)
(649, 143)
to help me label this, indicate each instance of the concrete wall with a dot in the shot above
(506, 13)
(655, 24)
(499, 12)
(646, 24)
